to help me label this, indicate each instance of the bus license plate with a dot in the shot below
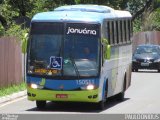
(61, 96)
(145, 64)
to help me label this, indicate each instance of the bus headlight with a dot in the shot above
(35, 86)
(90, 87)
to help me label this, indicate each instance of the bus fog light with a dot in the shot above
(90, 87)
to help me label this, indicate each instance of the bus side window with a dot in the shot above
(127, 31)
(124, 31)
(131, 28)
(117, 32)
(103, 53)
(113, 33)
(108, 32)
(121, 29)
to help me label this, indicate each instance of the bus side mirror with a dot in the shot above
(107, 48)
(24, 43)
(108, 52)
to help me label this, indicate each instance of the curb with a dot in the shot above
(13, 96)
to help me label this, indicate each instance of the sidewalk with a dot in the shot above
(12, 96)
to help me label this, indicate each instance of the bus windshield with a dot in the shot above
(64, 52)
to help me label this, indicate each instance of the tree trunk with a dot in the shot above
(140, 12)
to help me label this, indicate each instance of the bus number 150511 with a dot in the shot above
(85, 82)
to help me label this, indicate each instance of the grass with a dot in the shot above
(12, 89)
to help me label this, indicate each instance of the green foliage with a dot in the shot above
(21, 6)
(117, 4)
(12, 9)
(144, 14)
(38, 6)
(137, 26)
(15, 30)
(24, 43)
(154, 21)
(135, 5)
(2, 31)
(12, 89)
(7, 11)
(46, 5)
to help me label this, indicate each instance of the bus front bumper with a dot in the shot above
(68, 96)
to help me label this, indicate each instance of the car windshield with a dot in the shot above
(62, 50)
(147, 50)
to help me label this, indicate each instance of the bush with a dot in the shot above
(17, 31)
(2, 31)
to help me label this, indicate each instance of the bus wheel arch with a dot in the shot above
(101, 104)
(125, 82)
(106, 89)
(120, 96)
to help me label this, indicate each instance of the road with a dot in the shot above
(142, 97)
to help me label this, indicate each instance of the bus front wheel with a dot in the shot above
(41, 104)
(120, 96)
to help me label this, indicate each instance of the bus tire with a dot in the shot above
(41, 104)
(100, 105)
(120, 97)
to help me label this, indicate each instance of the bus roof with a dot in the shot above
(81, 13)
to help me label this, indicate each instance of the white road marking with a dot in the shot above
(10, 102)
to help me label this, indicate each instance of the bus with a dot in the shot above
(79, 53)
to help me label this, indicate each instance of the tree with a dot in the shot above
(153, 21)
(138, 8)
(142, 10)
(10, 10)
(117, 4)
(4, 14)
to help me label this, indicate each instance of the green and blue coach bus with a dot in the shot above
(79, 53)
